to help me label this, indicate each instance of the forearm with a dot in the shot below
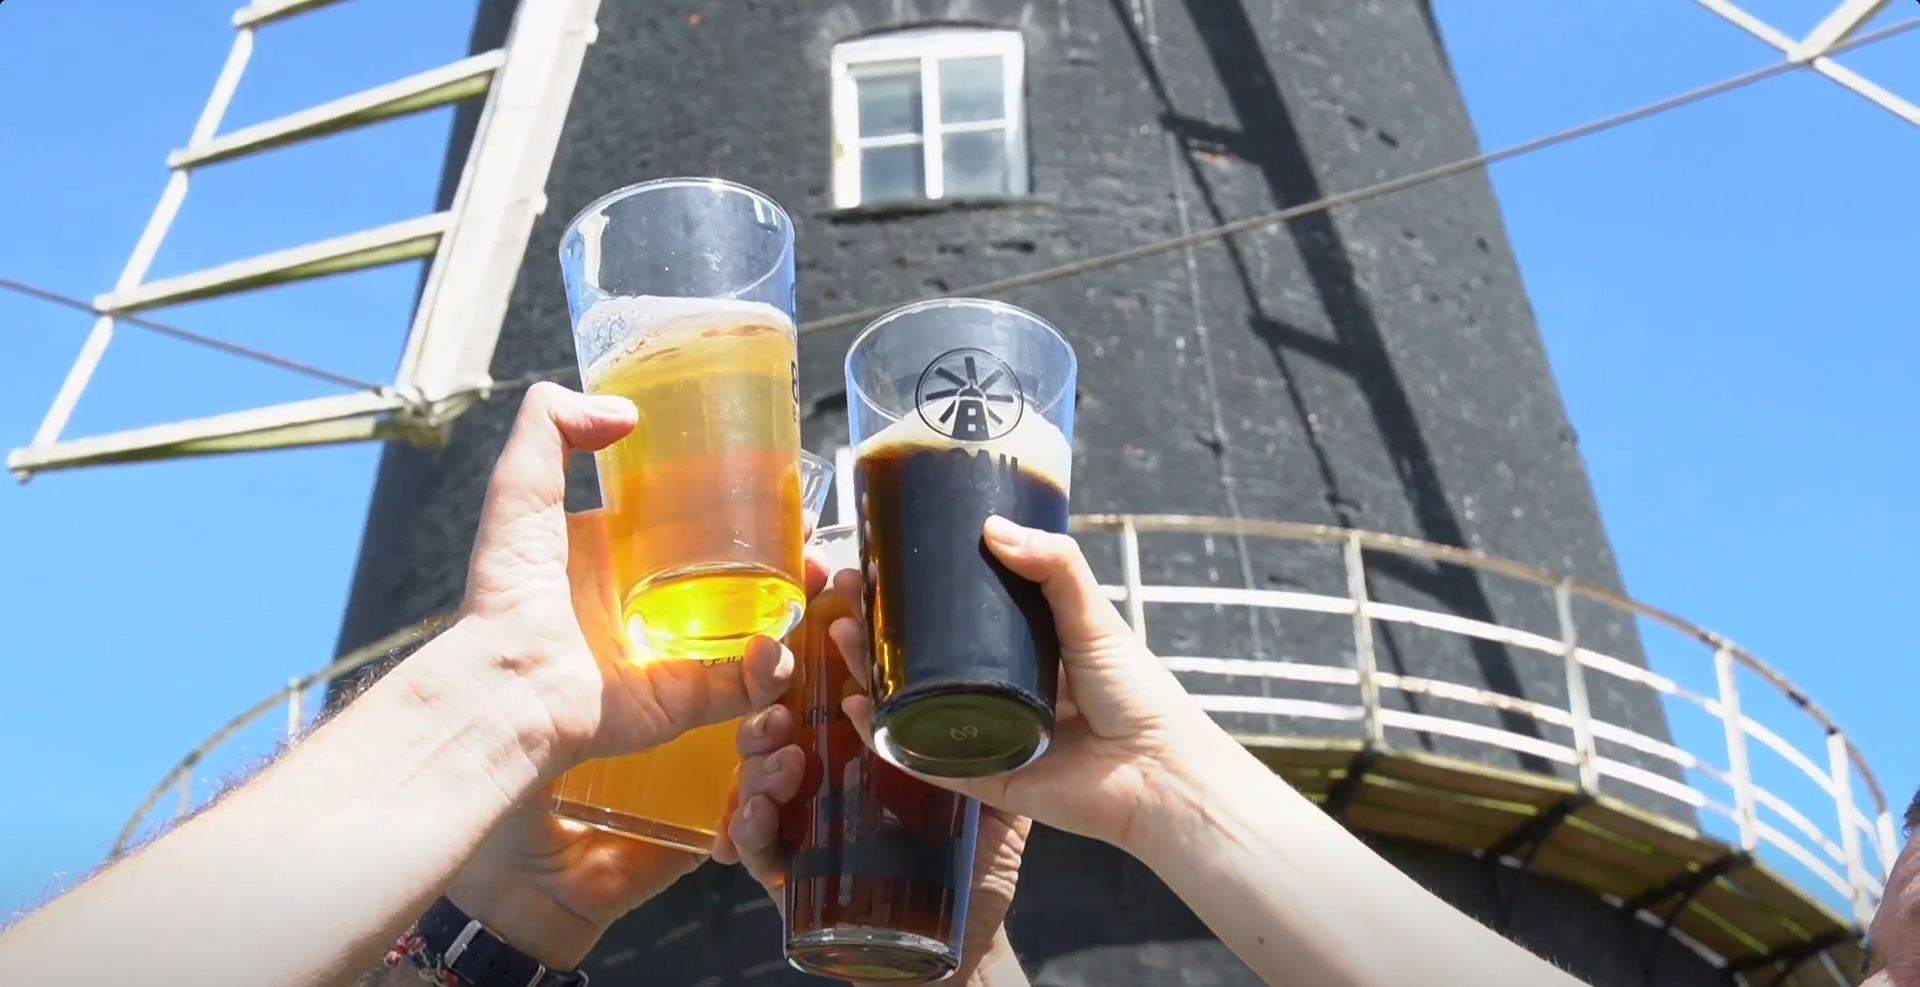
(311, 871)
(1298, 898)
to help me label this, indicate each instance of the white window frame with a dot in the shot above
(929, 47)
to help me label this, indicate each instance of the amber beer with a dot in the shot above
(681, 296)
(880, 863)
(702, 500)
(673, 795)
(676, 794)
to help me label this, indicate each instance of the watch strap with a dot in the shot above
(472, 953)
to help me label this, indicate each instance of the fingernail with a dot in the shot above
(746, 812)
(772, 764)
(761, 642)
(610, 404)
(1005, 532)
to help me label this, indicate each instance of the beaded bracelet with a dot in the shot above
(412, 949)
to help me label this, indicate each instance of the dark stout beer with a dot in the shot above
(881, 863)
(965, 658)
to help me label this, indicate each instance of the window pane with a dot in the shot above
(891, 174)
(972, 90)
(977, 163)
(890, 100)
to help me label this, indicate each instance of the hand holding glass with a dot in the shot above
(880, 864)
(681, 293)
(959, 409)
(675, 794)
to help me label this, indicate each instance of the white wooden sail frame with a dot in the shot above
(1842, 23)
(473, 249)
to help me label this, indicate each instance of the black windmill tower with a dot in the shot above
(1373, 369)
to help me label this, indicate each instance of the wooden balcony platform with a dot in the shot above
(1758, 921)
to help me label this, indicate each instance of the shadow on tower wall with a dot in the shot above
(1233, 45)
(1355, 346)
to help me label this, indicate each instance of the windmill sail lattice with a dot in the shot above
(474, 246)
(473, 249)
(1844, 22)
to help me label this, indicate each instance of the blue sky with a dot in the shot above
(1726, 294)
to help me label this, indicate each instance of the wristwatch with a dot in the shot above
(479, 958)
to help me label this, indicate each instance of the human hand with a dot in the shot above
(1121, 716)
(539, 596)
(551, 886)
(770, 777)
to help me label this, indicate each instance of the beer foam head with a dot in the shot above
(616, 327)
(1039, 445)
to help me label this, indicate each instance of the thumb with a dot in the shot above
(531, 473)
(522, 521)
(1082, 615)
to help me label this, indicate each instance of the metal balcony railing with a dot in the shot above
(1721, 898)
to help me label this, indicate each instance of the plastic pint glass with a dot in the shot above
(959, 409)
(880, 864)
(682, 298)
(674, 794)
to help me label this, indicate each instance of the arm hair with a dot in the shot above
(352, 687)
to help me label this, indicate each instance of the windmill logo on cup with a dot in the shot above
(969, 395)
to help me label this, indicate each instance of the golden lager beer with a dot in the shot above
(674, 795)
(703, 498)
(681, 296)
